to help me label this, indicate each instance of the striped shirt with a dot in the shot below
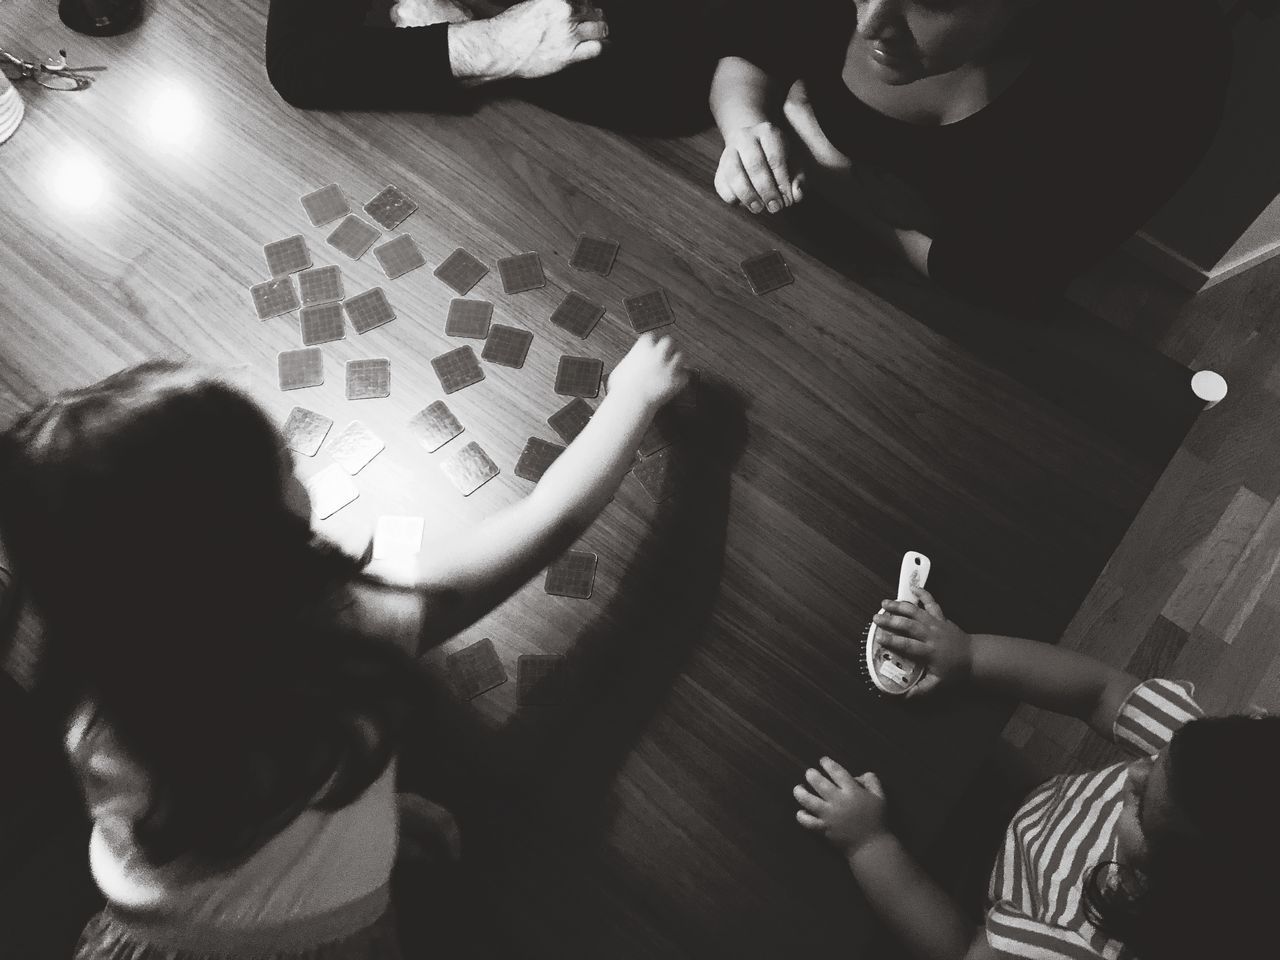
(1064, 829)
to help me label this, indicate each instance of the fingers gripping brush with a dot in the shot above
(885, 670)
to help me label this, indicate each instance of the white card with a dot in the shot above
(397, 537)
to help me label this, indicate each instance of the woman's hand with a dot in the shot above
(755, 169)
(848, 810)
(922, 634)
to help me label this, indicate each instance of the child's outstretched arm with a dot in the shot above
(1035, 673)
(465, 580)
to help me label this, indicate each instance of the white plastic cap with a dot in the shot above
(1209, 386)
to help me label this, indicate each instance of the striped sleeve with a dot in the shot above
(1011, 933)
(1152, 713)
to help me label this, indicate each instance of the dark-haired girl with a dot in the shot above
(233, 689)
(1170, 857)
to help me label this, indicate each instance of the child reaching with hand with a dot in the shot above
(233, 688)
(1171, 856)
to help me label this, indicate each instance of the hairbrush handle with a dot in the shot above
(913, 575)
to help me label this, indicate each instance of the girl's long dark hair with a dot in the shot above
(1213, 891)
(194, 611)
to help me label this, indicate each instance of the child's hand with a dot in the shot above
(652, 373)
(848, 810)
(923, 635)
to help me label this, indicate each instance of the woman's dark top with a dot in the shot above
(1117, 106)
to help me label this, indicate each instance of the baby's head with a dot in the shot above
(1197, 841)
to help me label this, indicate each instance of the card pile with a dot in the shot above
(301, 368)
(507, 346)
(469, 469)
(594, 255)
(648, 311)
(536, 457)
(573, 575)
(390, 208)
(287, 256)
(353, 237)
(320, 285)
(577, 314)
(274, 297)
(569, 420)
(325, 205)
(766, 272)
(321, 323)
(457, 369)
(305, 430)
(521, 273)
(461, 271)
(579, 376)
(435, 425)
(368, 310)
(475, 669)
(354, 447)
(330, 490)
(541, 680)
(399, 256)
(368, 379)
(468, 318)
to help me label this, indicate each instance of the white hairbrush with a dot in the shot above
(886, 671)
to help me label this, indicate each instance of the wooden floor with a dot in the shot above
(661, 825)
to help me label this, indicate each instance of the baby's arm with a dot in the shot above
(754, 168)
(1036, 673)
(464, 580)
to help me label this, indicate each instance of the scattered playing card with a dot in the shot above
(572, 575)
(367, 379)
(354, 447)
(287, 256)
(688, 395)
(521, 272)
(658, 474)
(399, 256)
(435, 425)
(579, 376)
(506, 345)
(321, 323)
(397, 537)
(353, 237)
(594, 254)
(648, 311)
(325, 205)
(536, 457)
(766, 272)
(475, 669)
(390, 207)
(305, 430)
(301, 368)
(369, 309)
(461, 271)
(468, 318)
(320, 284)
(469, 469)
(569, 420)
(457, 369)
(541, 680)
(577, 314)
(657, 437)
(274, 297)
(330, 490)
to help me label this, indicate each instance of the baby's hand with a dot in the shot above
(651, 373)
(923, 635)
(848, 810)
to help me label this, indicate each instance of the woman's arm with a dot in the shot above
(754, 169)
(464, 580)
